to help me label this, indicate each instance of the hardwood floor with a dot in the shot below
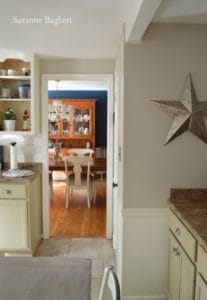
(78, 220)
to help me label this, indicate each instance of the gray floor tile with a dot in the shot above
(86, 248)
(97, 268)
(107, 244)
(95, 288)
(98, 250)
(54, 247)
(108, 253)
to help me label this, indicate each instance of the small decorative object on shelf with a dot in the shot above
(26, 71)
(9, 125)
(23, 90)
(88, 145)
(5, 92)
(9, 117)
(26, 122)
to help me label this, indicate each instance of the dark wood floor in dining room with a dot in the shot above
(78, 220)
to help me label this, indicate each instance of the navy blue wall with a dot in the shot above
(101, 109)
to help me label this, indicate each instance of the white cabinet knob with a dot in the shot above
(7, 192)
(176, 251)
(177, 231)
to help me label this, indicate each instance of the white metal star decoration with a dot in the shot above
(187, 113)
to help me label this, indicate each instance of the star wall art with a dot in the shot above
(187, 114)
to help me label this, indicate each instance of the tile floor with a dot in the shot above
(97, 249)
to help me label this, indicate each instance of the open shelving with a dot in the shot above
(11, 98)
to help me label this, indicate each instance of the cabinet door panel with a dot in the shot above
(187, 278)
(201, 289)
(13, 213)
(174, 269)
(181, 280)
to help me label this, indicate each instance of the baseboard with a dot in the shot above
(146, 297)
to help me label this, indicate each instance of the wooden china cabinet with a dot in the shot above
(72, 122)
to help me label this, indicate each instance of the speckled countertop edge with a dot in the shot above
(189, 205)
(201, 240)
(37, 167)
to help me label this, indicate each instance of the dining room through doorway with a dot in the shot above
(78, 220)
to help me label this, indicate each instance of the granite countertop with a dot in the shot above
(190, 205)
(37, 167)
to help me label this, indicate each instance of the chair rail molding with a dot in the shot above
(146, 297)
(144, 212)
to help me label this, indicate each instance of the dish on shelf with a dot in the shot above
(12, 72)
(2, 72)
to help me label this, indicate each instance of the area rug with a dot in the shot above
(45, 278)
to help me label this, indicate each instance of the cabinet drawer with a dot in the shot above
(183, 236)
(13, 191)
(202, 262)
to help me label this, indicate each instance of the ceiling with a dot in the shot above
(183, 11)
(92, 28)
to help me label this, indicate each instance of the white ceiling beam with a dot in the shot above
(144, 16)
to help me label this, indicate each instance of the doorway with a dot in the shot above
(77, 119)
(108, 79)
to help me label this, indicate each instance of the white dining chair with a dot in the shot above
(111, 281)
(81, 151)
(77, 179)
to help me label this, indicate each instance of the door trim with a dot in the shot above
(109, 78)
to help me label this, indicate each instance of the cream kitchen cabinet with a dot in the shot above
(181, 276)
(20, 217)
(181, 273)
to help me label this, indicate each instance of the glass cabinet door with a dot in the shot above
(66, 117)
(53, 128)
(81, 122)
(65, 130)
(53, 123)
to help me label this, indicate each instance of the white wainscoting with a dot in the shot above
(145, 254)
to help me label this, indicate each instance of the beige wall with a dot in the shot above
(156, 69)
(75, 66)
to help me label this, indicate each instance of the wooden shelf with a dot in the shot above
(16, 99)
(16, 77)
(16, 132)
